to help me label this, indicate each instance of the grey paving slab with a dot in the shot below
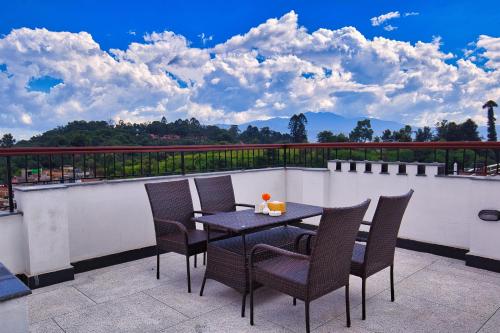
(492, 325)
(46, 326)
(410, 314)
(339, 326)
(174, 294)
(131, 279)
(277, 308)
(55, 302)
(433, 294)
(225, 319)
(453, 290)
(457, 267)
(134, 313)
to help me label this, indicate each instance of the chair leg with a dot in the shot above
(363, 298)
(347, 306)
(251, 302)
(243, 304)
(392, 283)
(204, 258)
(203, 284)
(157, 263)
(294, 301)
(195, 260)
(188, 274)
(307, 317)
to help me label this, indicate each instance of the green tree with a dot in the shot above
(328, 136)
(424, 134)
(451, 131)
(297, 127)
(492, 131)
(325, 136)
(7, 141)
(403, 135)
(468, 130)
(362, 132)
(387, 136)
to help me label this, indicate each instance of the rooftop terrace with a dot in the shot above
(433, 294)
(84, 241)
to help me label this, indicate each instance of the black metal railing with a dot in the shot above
(24, 166)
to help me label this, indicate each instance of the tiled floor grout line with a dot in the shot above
(487, 320)
(81, 292)
(62, 329)
(153, 297)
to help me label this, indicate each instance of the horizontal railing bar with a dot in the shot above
(16, 151)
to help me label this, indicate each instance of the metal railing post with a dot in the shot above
(9, 184)
(446, 162)
(284, 157)
(183, 165)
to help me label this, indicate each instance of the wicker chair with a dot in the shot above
(325, 270)
(217, 195)
(175, 230)
(378, 253)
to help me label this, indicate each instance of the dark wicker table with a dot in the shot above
(247, 221)
(227, 260)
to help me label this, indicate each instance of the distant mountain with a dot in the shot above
(321, 121)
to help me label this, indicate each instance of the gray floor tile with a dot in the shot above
(109, 285)
(458, 291)
(410, 314)
(458, 267)
(175, 295)
(277, 308)
(134, 313)
(56, 302)
(339, 326)
(46, 326)
(225, 319)
(492, 325)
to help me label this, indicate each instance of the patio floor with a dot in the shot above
(433, 294)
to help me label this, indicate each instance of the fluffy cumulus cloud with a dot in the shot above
(276, 69)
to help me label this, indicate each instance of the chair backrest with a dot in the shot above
(171, 201)
(332, 249)
(216, 193)
(381, 243)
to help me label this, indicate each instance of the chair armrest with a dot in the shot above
(244, 205)
(178, 225)
(366, 223)
(203, 212)
(276, 250)
(307, 234)
(361, 239)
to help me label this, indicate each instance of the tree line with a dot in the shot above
(443, 131)
(191, 131)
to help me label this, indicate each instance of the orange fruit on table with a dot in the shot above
(266, 196)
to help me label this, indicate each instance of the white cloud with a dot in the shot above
(378, 20)
(276, 69)
(205, 38)
(411, 14)
(132, 32)
(390, 27)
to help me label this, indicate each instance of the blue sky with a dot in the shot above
(415, 62)
(457, 22)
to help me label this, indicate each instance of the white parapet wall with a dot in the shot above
(12, 242)
(68, 223)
